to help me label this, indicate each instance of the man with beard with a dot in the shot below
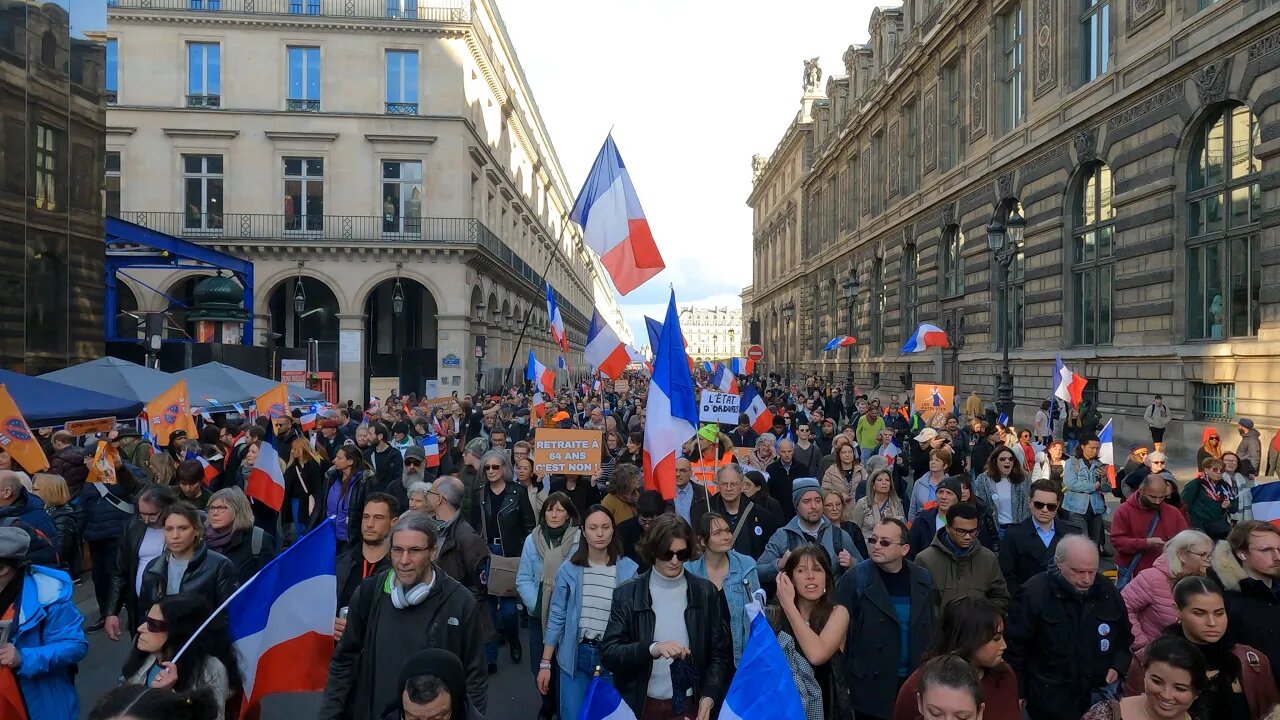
(386, 461)
(373, 554)
(1143, 523)
(648, 508)
(1247, 566)
(415, 471)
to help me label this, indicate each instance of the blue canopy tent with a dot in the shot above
(232, 385)
(129, 380)
(45, 403)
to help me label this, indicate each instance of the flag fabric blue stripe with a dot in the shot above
(655, 333)
(603, 702)
(311, 556)
(763, 688)
(671, 369)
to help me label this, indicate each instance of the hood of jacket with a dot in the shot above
(1225, 565)
(42, 587)
(1208, 433)
(1252, 433)
(794, 528)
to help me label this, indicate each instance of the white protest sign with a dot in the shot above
(718, 407)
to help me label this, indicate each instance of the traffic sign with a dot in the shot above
(755, 352)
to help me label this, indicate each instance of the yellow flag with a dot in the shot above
(16, 437)
(171, 411)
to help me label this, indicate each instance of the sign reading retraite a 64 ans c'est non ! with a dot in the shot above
(718, 407)
(567, 452)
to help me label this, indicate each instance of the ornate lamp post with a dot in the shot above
(1004, 237)
(788, 315)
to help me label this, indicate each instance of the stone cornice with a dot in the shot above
(201, 133)
(400, 139)
(285, 22)
(301, 135)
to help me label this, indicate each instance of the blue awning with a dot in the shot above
(44, 403)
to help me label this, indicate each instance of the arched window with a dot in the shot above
(1224, 206)
(1092, 245)
(909, 296)
(952, 261)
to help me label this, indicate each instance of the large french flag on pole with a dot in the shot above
(281, 620)
(1067, 385)
(613, 223)
(266, 480)
(763, 687)
(604, 349)
(742, 366)
(540, 376)
(557, 322)
(926, 336)
(672, 410)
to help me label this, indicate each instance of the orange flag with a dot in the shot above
(11, 702)
(171, 411)
(274, 403)
(16, 436)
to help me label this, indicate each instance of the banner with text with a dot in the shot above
(934, 402)
(567, 452)
(719, 407)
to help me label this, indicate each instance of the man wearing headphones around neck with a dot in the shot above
(395, 614)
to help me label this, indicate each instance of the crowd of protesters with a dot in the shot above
(913, 569)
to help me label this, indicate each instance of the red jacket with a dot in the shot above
(1129, 531)
(999, 693)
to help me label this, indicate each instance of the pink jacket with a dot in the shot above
(1149, 600)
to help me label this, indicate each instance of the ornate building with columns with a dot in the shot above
(1138, 141)
(713, 333)
(382, 163)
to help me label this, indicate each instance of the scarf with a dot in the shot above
(219, 539)
(553, 556)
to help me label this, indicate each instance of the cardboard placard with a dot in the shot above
(719, 407)
(88, 427)
(934, 402)
(567, 452)
(103, 467)
(620, 385)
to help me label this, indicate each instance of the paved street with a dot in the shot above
(511, 692)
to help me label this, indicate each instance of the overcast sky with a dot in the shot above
(692, 88)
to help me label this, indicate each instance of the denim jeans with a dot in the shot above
(573, 687)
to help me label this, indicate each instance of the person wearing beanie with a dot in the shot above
(933, 518)
(432, 684)
(472, 478)
(401, 437)
(808, 527)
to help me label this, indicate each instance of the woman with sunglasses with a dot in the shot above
(1210, 500)
(668, 642)
(187, 564)
(581, 604)
(1240, 683)
(730, 571)
(1149, 596)
(1210, 446)
(232, 533)
(545, 550)
(209, 662)
(1002, 488)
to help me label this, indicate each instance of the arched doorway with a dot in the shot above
(128, 322)
(401, 351)
(181, 296)
(304, 314)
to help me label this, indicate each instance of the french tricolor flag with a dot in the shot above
(281, 620)
(1068, 386)
(742, 366)
(210, 472)
(556, 321)
(431, 447)
(613, 223)
(604, 703)
(672, 410)
(1107, 452)
(604, 349)
(753, 405)
(540, 376)
(725, 380)
(925, 337)
(539, 404)
(1266, 501)
(308, 421)
(839, 341)
(266, 480)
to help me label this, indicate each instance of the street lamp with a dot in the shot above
(1004, 237)
(299, 295)
(850, 290)
(788, 313)
(397, 293)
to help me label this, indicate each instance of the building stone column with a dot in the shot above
(455, 331)
(351, 368)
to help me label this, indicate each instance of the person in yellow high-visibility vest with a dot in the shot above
(707, 451)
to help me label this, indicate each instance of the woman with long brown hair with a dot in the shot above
(303, 483)
(1002, 488)
(812, 626)
(845, 474)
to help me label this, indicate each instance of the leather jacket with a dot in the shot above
(208, 573)
(515, 518)
(121, 595)
(624, 649)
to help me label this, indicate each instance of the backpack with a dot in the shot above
(256, 540)
(795, 542)
(40, 551)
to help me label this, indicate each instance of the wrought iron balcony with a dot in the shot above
(204, 101)
(302, 105)
(401, 108)
(436, 11)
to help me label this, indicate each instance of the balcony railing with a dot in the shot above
(438, 11)
(302, 105)
(402, 108)
(204, 101)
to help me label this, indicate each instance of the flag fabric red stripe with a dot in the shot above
(623, 263)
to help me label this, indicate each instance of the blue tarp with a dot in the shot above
(230, 385)
(45, 403)
(129, 380)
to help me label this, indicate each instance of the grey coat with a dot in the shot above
(985, 489)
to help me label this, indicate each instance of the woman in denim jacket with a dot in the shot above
(730, 571)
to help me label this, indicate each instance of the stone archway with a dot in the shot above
(401, 338)
(314, 327)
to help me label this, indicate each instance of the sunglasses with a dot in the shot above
(882, 542)
(412, 463)
(681, 555)
(492, 467)
(1044, 506)
(156, 626)
(1214, 437)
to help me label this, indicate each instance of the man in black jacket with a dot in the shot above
(143, 541)
(386, 461)
(782, 473)
(1069, 637)
(751, 524)
(373, 554)
(872, 593)
(1247, 566)
(396, 614)
(1028, 546)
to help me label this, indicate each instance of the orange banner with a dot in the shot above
(16, 437)
(274, 403)
(103, 467)
(171, 411)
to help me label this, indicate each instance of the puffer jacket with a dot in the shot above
(69, 463)
(50, 638)
(1250, 452)
(208, 573)
(1253, 610)
(1148, 598)
(67, 522)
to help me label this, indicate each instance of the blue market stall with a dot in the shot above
(45, 403)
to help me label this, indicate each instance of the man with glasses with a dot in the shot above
(1250, 577)
(1143, 523)
(1027, 546)
(143, 541)
(463, 554)
(751, 524)
(890, 604)
(959, 564)
(394, 615)
(691, 497)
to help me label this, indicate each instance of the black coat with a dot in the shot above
(1023, 554)
(355, 510)
(779, 482)
(923, 529)
(240, 552)
(304, 483)
(1062, 643)
(1253, 614)
(209, 574)
(624, 649)
(515, 518)
(630, 532)
(350, 567)
(388, 466)
(122, 595)
(874, 642)
(758, 526)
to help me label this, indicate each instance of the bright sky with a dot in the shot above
(693, 89)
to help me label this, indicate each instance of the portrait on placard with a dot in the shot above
(934, 402)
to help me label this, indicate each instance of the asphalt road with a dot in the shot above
(511, 692)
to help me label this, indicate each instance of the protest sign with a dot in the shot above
(719, 407)
(87, 427)
(934, 402)
(567, 452)
(16, 437)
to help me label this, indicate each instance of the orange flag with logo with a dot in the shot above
(274, 403)
(16, 437)
(171, 411)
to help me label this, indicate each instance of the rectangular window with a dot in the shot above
(202, 192)
(910, 291)
(48, 149)
(1095, 39)
(111, 81)
(1214, 401)
(852, 205)
(304, 7)
(304, 79)
(402, 9)
(910, 148)
(1011, 107)
(402, 82)
(1224, 279)
(877, 307)
(952, 262)
(111, 186)
(303, 194)
(952, 130)
(877, 159)
(402, 197)
(204, 75)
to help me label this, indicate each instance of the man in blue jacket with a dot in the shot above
(16, 502)
(44, 638)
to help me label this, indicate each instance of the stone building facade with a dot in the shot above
(1138, 139)
(367, 150)
(712, 333)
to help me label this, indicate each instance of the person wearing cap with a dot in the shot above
(1250, 448)
(707, 451)
(433, 686)
(45, 640)
(808, 527)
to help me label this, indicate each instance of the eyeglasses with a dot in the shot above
(1052, 507)
(681, 555)
(492, 467)
(883, 542)
(218, 508)
(413, 551)
(962, 532)
(156, 625)
(1214, 437)
(412, 463)
(1204, 556)
(1157, 462)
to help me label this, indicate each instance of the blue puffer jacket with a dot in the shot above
(30, 509)
(99, 517)
(51, 641)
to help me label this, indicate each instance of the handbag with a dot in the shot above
(502, 575)
(1125, 573)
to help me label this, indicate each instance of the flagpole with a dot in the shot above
(564, 223)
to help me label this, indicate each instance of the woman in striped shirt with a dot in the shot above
(580, 606)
